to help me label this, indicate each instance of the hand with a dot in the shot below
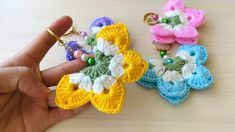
(26, 103)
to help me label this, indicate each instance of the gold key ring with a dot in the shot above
(148, 19)
(61, 42)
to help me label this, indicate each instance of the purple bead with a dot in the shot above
(102, 21)
(83, 34)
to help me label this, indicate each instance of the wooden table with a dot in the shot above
(144, 110)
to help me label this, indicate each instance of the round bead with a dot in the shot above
(77, 54)
(155, 17)
(83, 34)
(169, 61)
(165, 57)
(163, 53)
(91, 61)
(84, 57)
(166, 20)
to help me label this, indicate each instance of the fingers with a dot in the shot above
(56, 114)
(22, 79)
(52, 75)
(38, 48)
(51, 100)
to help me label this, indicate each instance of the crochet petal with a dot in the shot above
(109, 102)
(134, 66)
(198, 51)
(187, 35)
(189, 41)
(149, 79)
(117, 33)
(163, 39)
(175, 92)
(174, 5)
(187, 32)
(68, 96)
(101, 22)
(159, 30)
(195, 17)
(201, 78)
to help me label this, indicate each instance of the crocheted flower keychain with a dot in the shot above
(110, 65)
(175, 77)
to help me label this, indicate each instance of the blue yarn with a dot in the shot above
(201, 79)
(149, 79)
(198, 51)
(177, 92)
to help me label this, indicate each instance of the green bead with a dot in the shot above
(169, 61)
(91, 61)
(166, 20)
(163, 53)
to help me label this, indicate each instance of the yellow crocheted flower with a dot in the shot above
(102, 84)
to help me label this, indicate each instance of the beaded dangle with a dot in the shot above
(175, 77)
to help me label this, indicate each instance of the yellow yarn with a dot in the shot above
(110, 101)
(118, 34)
(69, 96)
(134, 66)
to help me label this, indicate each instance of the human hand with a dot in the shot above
(26, 103)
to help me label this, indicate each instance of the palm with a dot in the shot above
(25, 101)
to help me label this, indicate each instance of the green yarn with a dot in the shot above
(177, 65)
(91, 40)
(173, 21)
(101, 66)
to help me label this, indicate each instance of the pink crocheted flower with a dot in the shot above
(178, 24)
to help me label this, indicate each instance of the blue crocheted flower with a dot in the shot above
(174, 79)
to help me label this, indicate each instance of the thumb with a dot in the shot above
(23, 79)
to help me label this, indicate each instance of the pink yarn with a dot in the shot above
(185, 35)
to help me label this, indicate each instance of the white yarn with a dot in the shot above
(187, 70)
(86, 83)
(185, 55)
(154, 62)
(107, 80)
(172, 13)
(172, 76)
(116, 65)
(159, 69)
(167, 76)
(176, 76)
(95, 29)
(76, 78)
(82, 43)
(179, 27)
(106, 47)
(167, 26)
(182, 18)
(98, 86)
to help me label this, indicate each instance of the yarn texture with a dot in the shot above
(178, 24)
(174, 80)
(102, 84)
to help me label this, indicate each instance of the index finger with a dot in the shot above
(38, 48)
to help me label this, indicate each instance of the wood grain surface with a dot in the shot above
(144, 110)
